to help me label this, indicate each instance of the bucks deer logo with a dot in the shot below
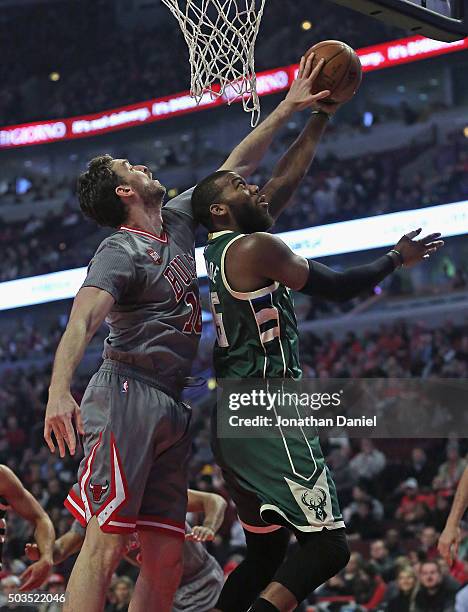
(316, 502)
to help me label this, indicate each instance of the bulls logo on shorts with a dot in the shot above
(98, 490)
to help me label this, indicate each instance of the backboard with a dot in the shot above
(439, 19)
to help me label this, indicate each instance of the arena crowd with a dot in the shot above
(120, 65)
(334, 190)
(395, 494)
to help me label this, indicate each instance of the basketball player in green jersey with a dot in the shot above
(276, 482)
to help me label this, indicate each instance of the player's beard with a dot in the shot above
(152, 194)
(252, 218)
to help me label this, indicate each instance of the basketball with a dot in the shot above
(342, 72)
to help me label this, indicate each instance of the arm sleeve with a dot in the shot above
(112, 270)
(341, 286)
(182, 203)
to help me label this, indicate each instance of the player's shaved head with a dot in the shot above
(206, 193)
(97, 196)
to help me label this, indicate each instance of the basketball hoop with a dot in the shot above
(221, 36)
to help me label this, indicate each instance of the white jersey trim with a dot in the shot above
(160, 525)
(330, 525)
(242, 295)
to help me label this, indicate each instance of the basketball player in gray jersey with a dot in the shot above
(202, 577)
(142, 281)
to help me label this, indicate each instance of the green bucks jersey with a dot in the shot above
(256, 331)
(257, 338)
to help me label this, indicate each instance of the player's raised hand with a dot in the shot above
(300, 95)
(448, 543)
(414, 251)
(60, 413)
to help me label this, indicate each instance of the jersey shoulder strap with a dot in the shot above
(243, 295)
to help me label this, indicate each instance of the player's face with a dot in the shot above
(140, 179)
(247, 206)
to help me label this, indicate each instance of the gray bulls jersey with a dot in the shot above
(155, 323)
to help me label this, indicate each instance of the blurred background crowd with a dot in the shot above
(395, 494)
(334, 190)
(93, 77)
(400, 145)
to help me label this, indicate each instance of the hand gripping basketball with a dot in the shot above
(300, 95)
(342, 72)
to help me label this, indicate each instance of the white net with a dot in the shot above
(221, 36)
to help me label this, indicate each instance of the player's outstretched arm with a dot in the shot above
(90, 308)
(213, 506)
(247, 156)
(294, 165)
(450, 537)
(24, 504)
(261, 257)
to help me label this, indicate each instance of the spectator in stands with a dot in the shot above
(403, 600)
(368, 587)
(440, 512)
(369, 462)
(428, 543)
(353, 567)
(433, 595)
(420, 468)
(15, 436)
(55, 495)
(344, 477)
(122, 590)
(450, 472)
(382, 560)
(342, 585)
(412, 509)
(463, 545)
(361, 494)
(393, 543)
(10, 587)
(56, 587)
(362, 524)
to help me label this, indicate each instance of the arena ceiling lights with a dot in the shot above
(313, 242)
(384, 55)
